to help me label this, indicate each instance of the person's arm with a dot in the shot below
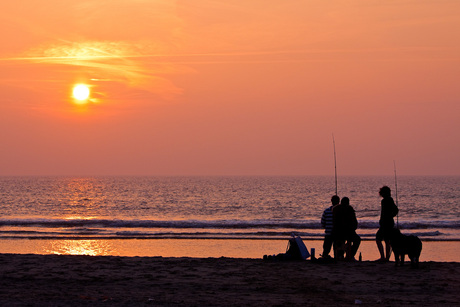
(355, 220)
(323, 219)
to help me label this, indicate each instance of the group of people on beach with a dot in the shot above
(340, 224)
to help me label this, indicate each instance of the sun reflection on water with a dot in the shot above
(80, 247)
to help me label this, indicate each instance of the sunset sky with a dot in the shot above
(213, 87)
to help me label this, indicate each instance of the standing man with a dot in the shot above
(388, 211)
(327, 222)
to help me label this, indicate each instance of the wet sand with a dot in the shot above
(43, 280)
(440, 251)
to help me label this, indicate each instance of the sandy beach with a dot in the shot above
(63, 280)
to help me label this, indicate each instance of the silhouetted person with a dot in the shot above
(388, 211)
(327, 222)
(344, 229)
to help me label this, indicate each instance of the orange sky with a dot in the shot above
(211, 87)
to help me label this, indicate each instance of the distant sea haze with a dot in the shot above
(217, 207)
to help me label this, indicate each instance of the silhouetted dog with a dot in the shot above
(402, 245)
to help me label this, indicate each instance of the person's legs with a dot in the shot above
(339, 249)
(378, 240)
(356, 241)
(353, 242)
(388, 249)
(327, 245)
(348, 248)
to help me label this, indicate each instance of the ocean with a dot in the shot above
(269, 208)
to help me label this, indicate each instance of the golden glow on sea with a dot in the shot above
(80, 247)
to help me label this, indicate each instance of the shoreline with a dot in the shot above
(191, 238)
(62, 280)
(439, 251)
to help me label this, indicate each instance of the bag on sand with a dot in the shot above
(295, 250)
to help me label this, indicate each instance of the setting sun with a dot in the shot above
(81, 92)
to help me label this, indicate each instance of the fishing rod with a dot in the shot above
(396, 195)
(335, 164)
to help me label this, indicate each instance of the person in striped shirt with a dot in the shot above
(326, 222)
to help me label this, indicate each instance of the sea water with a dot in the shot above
(224, 208)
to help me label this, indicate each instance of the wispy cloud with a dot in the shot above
(106, 60)
(132, 54)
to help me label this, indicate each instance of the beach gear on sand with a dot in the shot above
(295, 250)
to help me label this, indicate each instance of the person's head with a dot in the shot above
(335, 200)
(345, 201)
(385, 191)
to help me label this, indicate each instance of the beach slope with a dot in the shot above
(38, 280)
